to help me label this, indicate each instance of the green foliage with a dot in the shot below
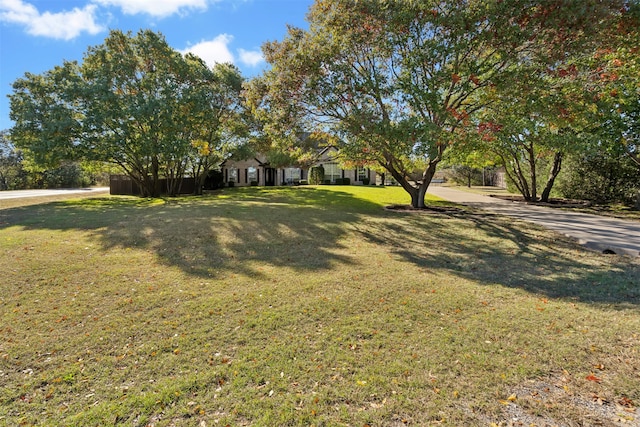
(466, 175)
(12, 173)
(316, 175)
(614, 85)
(134, 102)
(67, 175)
(601, 178)
(398, 81)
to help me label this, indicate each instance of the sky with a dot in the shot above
(37, 35)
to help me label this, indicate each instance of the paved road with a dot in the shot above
(593, 231)
(19, 194)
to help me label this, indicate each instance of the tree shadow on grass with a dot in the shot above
(492, 249)
(242, 231)
(229, 232)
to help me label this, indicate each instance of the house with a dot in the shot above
(258, 171)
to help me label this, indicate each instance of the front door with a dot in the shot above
(269, 177)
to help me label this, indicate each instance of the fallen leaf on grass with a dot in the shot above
(599, 400)
(593, 378)
(627, 404)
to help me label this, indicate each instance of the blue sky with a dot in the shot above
(36, 35)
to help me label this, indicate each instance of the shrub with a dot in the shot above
(254, 183)
(365, 181)
(316, 175)
(303, 182)
(65, 176)
(600, 178)
(346, 181)
(339, 181)
(232, 183)
(326, 182)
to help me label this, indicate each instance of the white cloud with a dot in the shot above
(251, 58)
(61, 25)
(213, 51)
(157, 8)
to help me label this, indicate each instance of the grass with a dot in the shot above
(307, 306)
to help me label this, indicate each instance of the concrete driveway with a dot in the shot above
(594, 232)
(20, 194)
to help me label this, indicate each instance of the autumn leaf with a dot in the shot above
(626, 402)
(593, 378)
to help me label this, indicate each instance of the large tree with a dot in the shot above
(613, 83)
(134, 102)
(398, 80)
(533, 131)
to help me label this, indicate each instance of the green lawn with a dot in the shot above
(308, 306)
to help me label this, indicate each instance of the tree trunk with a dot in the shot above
(532, 174)
(553, 174)
(417, 192)
(199, 177)
(155, 177)
(519, 179)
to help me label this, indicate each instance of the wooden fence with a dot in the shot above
(123, 185)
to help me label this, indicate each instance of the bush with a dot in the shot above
(600, 178)
(346, 181)
(339, 181)
(303, 182)
(66, 176)
(254, 183)
(316, 175)
(232, 183)
(365, 181)
(326, 182)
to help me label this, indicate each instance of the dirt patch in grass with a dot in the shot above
(562, 399)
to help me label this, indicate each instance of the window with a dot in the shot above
(252, 175)
(233, 175)
(332, 171)
(363, 174)
(291, 175)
